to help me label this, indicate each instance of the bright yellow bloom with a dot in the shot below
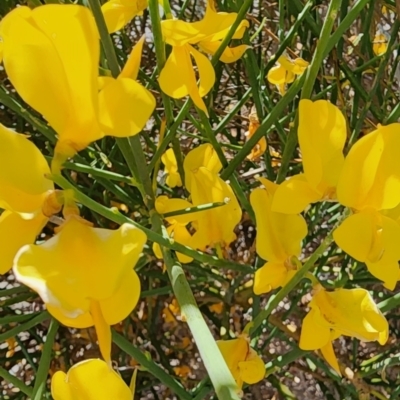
(208, 34)
(23, 192)
(380, 44)
(84, 275)
(177, 228)
(60, 43)
(370, 185)
(259, 149)
(215, 226)
(171, 168)
(90, 379)
(349, 312)
(322, 135)
(286, 71)
(117, 13)
(244, 363)
(278, 239)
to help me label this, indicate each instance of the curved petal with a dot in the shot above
(74, 266)
(182, 236)
(230, 54)
(294, 195)
(123, 301)
(314, 334)
(277, 75)
(215, 225)
(330, 357)
(279, 235)
(322, 135)
(91, 380)
(202, 156)
(118, 13)
(252, 370)
(270, 276)
(371, 171)
(360, 226)
(171, 168)
(15, 232)
(166, 205)
(74, 320)
(234, 351)
(131, 67)
(23, 184)
(125, 107)
(206, 72)
(52, 38)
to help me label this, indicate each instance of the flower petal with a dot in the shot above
(294, 195)
(329, 355)
(131, 67)
(360, 226)
(202, 156)
(314, 333)
(125, 107)
(23, 184)
(166, 205)
(91, 380)
(371, 173)
(118, 13)
(52, 38)
(230, 54)
(322, 135)
(15, 232)
(206, 73)
(171, 168)
(252, 370)
(270, 276)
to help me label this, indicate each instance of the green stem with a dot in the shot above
(195, 209)
(150, 365)
(319, 54)
(44, 365)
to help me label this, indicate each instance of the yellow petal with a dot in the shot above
(50, 39)
(166, 205)
(103, 331)
(277, 75)
(118, 13)
(74, 266)
(125, 107)
(89, 380)
(206, 73)
(322, 135)
(23, 184)
(16, 232)
(360, 226)
(171, 168)
(352, 312)
(270, 276)
(234, 351)
(131, 67)
(230, 54)
(252, 370)
(315, 334)
(202, 156)
(182, 236)
(215, 225)
(279, 235)
(371, 173)
(329, 355)
(294, 195)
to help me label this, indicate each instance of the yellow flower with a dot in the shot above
(286, 71)
(60, 43)
(177, 228)
(322, 135)
(278, 239)
(244, 363)
(84, 275)
(171, 168)
(259, 149)
(117, 13)
(370, 185)
(23, 193)
(208, 34)
(215, 226)
(380, 44)
(90, 379)
(349, 312)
